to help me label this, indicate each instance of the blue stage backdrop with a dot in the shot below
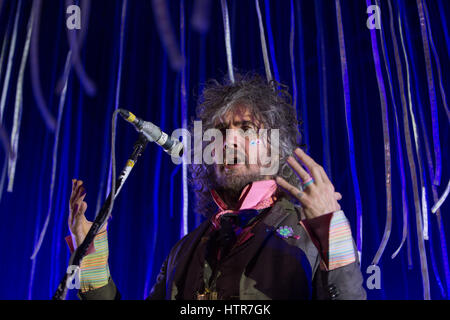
(369, 80)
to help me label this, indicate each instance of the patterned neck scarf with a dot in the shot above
(256, 195)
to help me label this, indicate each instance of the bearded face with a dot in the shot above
(240, 164)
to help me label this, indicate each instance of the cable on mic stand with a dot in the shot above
(105, 211)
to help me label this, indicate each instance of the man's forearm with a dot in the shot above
(94, 269)
(339, 276)
(95, 279)
(332, 236)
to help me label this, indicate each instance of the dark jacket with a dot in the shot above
(278, 268)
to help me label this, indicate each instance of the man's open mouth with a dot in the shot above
(232, 163)
(232, 166)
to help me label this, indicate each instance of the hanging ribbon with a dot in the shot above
(386, 142)
(431, 94)
(441, 200)
(184, 116)
(438, 64)
(226, 27)
(348, 118)
(12, 49)
(34, 67)
(107, 138)
(263, 43)
(400, 159)
(4, 139)
(421, 220)
(292, 56)
(62, 102)
(75, 46)
(162, 17)
(119, 77)
(271, 41)
(18, 107)
(434, 264)
(304, 104)
(444, 101)
(429, 160)
(399, 144)
(4, 45)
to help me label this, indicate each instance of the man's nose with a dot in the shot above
(229, 151)
(232, 139)
(230, 145)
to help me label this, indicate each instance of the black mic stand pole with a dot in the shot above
(102, 216)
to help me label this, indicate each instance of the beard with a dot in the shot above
(235, 180)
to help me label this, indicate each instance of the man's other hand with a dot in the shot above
(78, 224)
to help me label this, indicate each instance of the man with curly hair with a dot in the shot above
(281, 235)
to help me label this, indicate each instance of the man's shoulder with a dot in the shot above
(284, 210)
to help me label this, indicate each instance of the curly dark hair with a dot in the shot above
(269, 102)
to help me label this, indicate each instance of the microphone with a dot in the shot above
(154, 134)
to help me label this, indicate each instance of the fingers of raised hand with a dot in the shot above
(310, 164)
(313, 170)
(317, 171)
(294, 191)
(76, 204)
(298, 169)
(78, 191)
(319, 196)
(83, 207)
(78, 218)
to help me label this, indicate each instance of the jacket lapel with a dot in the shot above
(182, 253)
(279, 213)
(180, 257)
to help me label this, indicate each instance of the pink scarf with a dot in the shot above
(256, 195)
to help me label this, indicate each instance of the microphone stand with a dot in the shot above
(102, 216)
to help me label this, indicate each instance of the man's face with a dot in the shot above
(240, 164)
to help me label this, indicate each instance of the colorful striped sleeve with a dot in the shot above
(340, 242)
(332, 236)
(94, 269)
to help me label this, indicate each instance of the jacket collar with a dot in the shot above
(256, 195)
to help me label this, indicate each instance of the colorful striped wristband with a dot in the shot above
(94, 269)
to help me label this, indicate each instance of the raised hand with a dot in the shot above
(317, 194)
(78, 224)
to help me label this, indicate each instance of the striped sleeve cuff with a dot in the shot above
(340, 242)
(332, 236)
(94, 269)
